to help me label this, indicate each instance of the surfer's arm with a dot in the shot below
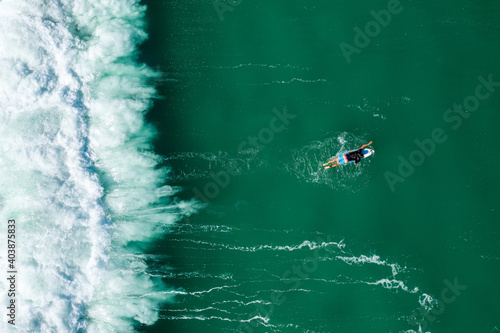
(369, 143)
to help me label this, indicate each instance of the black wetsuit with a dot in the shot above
(355, 155)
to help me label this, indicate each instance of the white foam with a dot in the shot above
(427, 302)
(374, 259)
(388, 283)
(77, 167)
(311, 245)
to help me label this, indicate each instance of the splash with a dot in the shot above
(305, 163)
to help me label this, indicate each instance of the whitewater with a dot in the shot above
(78, 172)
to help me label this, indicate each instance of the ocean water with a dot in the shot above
(162, 162)
(407, 241)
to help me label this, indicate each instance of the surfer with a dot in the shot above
(355, 156)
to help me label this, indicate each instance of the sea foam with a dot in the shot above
(78, 171)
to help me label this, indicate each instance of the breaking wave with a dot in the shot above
(78, 172)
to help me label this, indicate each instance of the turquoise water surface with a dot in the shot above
(282, 245)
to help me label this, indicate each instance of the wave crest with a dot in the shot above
(79, 173)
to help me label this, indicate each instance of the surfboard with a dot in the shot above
(342, 158)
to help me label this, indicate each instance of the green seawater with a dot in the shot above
(284, 246)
